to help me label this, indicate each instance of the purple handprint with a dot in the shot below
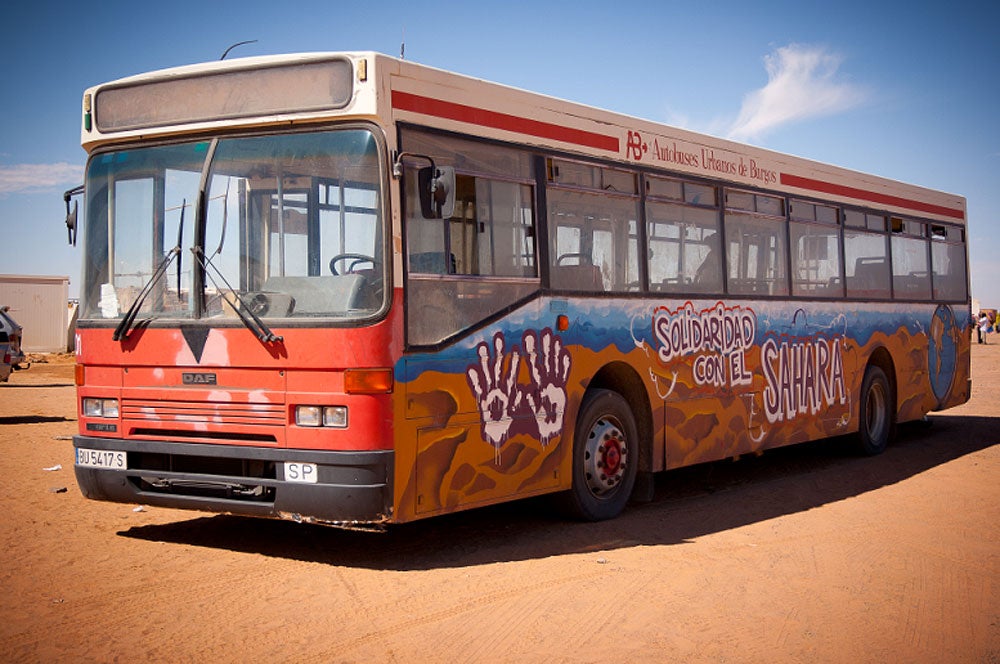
(495, 389)
(549, 375)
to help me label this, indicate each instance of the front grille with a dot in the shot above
(204, 412)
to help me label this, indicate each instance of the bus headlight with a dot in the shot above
(100, 407)
(321, 416)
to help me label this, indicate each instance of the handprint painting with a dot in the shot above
(500, 418)
(508, 407)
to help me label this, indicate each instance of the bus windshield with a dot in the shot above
(291, 227)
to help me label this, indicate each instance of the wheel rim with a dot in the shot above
(875, 412)
(605, 456)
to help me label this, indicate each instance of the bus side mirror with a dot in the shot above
(437, 192)
(71, 223)
(71, 213)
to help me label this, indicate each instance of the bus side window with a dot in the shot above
(682, 227)
(911, 277)
(756, 255)
(816, 260)
(867, 265)
(466, 268)
(948, 266)
(593, 242)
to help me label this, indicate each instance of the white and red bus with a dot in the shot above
(353, 290)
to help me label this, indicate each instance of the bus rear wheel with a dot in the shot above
(875, 426)
(605, 457)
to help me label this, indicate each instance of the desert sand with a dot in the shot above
(803, 554)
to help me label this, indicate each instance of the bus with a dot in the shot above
(349, 289)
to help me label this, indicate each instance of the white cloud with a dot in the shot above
(34, 178)
(802, 83)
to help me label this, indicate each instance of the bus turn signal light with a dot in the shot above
(368, 381)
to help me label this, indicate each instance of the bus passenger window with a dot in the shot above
(684, 250)
(755, 238)
(594, 241)
(948, 264)
(491, 234)
(466, 268)
(866, 265)
(755, 255)
(910, 272)
(815, 238)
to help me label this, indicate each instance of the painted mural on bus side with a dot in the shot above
(723, 378)
(802, 375)
(715, 339)
(802, 367)
(507, 406)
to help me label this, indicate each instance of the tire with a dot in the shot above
(875, 423)
(605, 457)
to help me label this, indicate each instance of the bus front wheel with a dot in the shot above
(605, 457)
(875, 424)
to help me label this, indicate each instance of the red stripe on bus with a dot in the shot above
(873, 196)
(407, 101)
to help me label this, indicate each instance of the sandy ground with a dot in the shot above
(804, 554)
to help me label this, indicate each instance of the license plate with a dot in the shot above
(300, 472)
(114, 459)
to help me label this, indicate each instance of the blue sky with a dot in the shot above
(906, 91)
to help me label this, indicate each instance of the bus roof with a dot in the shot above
(313, 87)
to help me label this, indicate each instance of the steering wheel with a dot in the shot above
(259, 304)
(357, 258)
(582, 259)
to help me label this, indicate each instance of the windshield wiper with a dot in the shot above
(245, 313)
(125, 325)
(180, 241)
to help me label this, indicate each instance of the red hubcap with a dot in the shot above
(612, 455)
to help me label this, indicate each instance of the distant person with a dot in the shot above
(985, 327)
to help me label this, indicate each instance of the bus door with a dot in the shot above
(468, 311)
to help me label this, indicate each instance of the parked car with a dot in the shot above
(11, 355)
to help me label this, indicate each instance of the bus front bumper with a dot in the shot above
(347, 489)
